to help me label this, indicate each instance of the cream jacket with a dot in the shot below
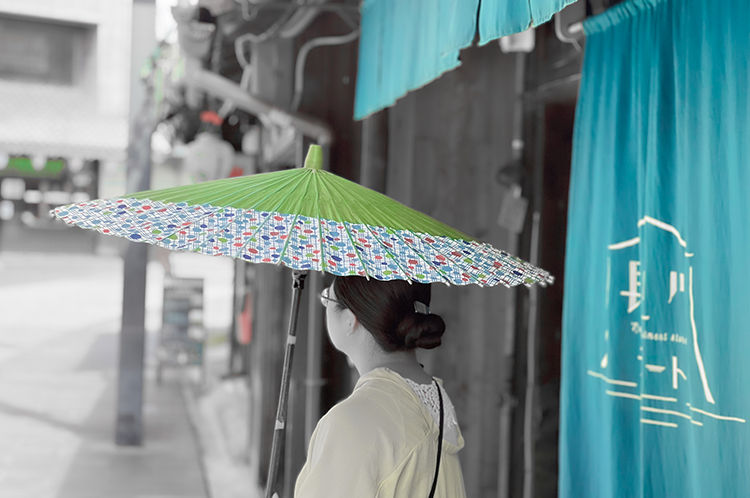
(379, 442)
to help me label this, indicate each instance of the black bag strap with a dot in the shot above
(440, 441)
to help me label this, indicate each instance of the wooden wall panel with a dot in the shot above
(272, 299)
(446, 143)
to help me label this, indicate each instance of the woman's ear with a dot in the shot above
(352, 323)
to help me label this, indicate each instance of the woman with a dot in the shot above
(384, 439)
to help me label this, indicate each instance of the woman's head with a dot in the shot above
(387, 311)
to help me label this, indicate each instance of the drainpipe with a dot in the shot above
(531, 374)
(314, 382)
(507, 400)
(533, 311)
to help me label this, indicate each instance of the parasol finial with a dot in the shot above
(314, 158)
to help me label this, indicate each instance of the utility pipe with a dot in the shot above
(313, 380)
(528, 422)
(268, 114)
(531, 344)
(575, 28)
(299, 67)
(508, 401)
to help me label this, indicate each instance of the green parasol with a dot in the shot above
(305, 219)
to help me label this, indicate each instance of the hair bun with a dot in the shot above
(387, 309)
(421, 331)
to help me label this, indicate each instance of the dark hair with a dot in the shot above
(386, 310)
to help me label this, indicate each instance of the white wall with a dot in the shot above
(86, 119)
(111, 18)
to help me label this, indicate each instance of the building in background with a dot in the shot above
(452, 149)
(64, 93)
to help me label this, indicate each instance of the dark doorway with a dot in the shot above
(558, 141)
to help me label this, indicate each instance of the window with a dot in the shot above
(44, 52)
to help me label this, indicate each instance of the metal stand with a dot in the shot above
(280, 430)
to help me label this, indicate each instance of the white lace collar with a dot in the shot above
(428, 395)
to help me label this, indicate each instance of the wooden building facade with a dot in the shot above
(453, 149)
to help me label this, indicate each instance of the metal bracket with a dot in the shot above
(299, 277)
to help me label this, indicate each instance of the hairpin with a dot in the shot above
(422, 308)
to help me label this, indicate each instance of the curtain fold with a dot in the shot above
(656, 322)
(405, 44)
(498, 18)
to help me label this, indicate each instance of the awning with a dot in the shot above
(406, 44)
(56, 121)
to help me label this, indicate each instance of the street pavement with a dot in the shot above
(59, 324)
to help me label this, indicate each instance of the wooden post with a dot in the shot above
(129, 427)
(266, 353)
(374, 151)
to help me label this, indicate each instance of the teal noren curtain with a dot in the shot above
(498, 18)
(405, 44)
(656, 325)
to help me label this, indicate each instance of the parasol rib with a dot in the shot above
(320, 225)
(392, 256)
(220, 229)
(193, 222)
(403, 270)
(383, 210)
(357, 251)
(462, 266)
(385, 248)
(422, 256)
(286, 242)
(294, 224)
(351, 239)
(289, 235)
(133, 221)
(354, 245)
(254, 183)
(291, 191)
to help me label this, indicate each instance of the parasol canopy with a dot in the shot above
(306, 219)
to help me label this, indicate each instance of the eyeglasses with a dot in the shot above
(324, 299)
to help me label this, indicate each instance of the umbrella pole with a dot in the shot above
(280, 430)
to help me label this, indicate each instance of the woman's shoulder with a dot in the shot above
(376, 391)
(383, 379)
(385, 387)
(381, 402)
